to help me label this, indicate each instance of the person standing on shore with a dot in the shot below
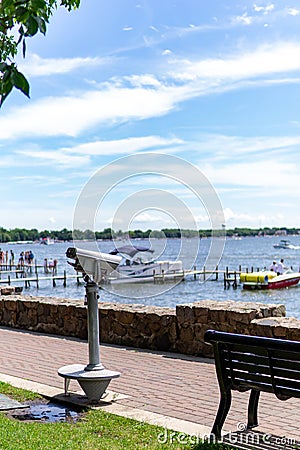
(30, 257)
(21, 260)
(11, 259)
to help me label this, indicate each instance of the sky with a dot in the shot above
(213, 84)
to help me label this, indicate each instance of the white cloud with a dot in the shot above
(56, 156)
(231, 215)
(153, 28)
(72, 193)
(152, 217)
(39, 216)
(273, 177)
(293, 11)
(144, 81)
(38, 180)
(244, 19)
(224, 146)
(121, 146)
(7, 161)
(55, 116)
(80, 156)
(264, 9)
(145, 96)
(265, 60)
(254, 220)
(37, 66)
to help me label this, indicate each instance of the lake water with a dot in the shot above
(256, 252)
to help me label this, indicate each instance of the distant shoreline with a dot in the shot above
(32, 236)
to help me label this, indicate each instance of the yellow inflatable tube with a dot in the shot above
(257, 277)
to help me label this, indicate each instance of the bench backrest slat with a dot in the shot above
(258, 364)
(248, 358)
(246, 367)
(245, 380)
(286, 363)
(288, 374)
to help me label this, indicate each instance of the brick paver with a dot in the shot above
(174, 385)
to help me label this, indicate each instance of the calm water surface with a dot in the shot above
(247, 252)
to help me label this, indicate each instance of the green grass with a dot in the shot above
(21, 395)
(96, 430)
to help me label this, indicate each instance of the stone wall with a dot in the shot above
(238, 317)
(176, 330)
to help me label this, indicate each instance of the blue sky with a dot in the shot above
(214, 83)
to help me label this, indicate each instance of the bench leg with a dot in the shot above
(252, 409)
(224, 407)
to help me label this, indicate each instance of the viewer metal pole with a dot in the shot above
(93, 325)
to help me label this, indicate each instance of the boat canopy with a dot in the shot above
(130, 250)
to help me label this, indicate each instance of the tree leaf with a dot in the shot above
(20, 82)
(24, 48)
(38, 4)
(3, 66)
(32, 26)
(21, 11)
(41, 25)
(5, 90)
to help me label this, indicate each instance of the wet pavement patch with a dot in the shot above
(46, 412)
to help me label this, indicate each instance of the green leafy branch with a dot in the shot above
(20, 20)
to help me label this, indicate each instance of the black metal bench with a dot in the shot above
(253, 362)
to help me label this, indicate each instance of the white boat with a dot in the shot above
(285, 244)
(47, 241)
(134, 269)
(236, 237)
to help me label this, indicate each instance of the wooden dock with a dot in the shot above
(230, 277)
(34, 273)
(36, 279)
(28, 278)
(14, 274)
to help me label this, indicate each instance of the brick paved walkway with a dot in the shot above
(174, 385)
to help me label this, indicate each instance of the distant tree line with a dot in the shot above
(266, 231)
(22, 234)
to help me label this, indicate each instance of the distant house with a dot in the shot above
(280, 233)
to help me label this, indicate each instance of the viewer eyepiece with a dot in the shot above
(96, 264)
